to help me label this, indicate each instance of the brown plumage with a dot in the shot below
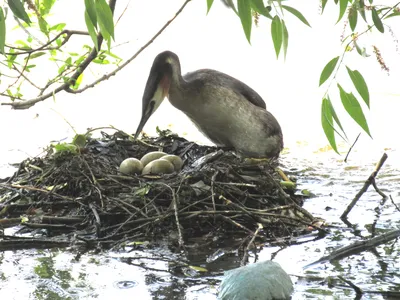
(224, 109)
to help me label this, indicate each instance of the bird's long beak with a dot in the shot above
(156, 90)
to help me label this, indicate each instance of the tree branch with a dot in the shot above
(65, 86)
(68, 33)
(107, 76)
(24, 104)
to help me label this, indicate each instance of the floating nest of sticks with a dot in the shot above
(78, 196)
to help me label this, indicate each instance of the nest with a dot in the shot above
(71, 197)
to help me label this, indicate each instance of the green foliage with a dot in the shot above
(105, 19)
(244, 11)
(280, 38)
(298, 14)
(377, 20)
(277, 34)
(258, 6)
(209, 4)
(353, 16)
(91, 30)
(361, 9)
(342, 10)
(328, 70)
(353, 108)
(18, 10)
(360, 84)
(2, 30)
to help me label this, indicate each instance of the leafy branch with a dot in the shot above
(274, 11)
(349, 101)
(98, 27)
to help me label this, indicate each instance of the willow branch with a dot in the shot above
(72, 80)
(24, 104)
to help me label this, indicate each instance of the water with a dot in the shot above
(290, 92)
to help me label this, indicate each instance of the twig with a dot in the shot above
(358, 247)
(246, 254)
(395, 205)
(367, 183)
(68, 33)
(351, 147)
(32, 188)
(97, 218)
(178, 226)
(233, 222)
(212, 189)
(358, 291)
(382, 194)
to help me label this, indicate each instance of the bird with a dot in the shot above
(227, 111)
(264, 280)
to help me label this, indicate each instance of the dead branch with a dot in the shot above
(358, 247)
(367, 183)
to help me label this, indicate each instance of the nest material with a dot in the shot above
(84, 196)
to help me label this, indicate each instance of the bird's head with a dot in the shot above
(157, 86)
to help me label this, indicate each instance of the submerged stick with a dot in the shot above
(358, 247)
(367, 183)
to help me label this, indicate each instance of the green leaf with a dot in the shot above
(353, 108)
(91, 10)
(285, 38)
(258, 6)
(361, 9)
(36, 54)
(45, 6)
(393, 14)
(323, 4)
(105, 18)
(18, 10)
(327, 123)
(298, 14)
(360, 84)
(342, 10)
(244, 11)
(58, 27)
(91, 30)
(328, 70)
(79, 140)
(2, 31)
(209, 4)
(353, 16)
(66, 147)
(377, 21)
(44, 27)
(336, 119)
(276, 34)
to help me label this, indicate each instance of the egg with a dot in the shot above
(131, 166)
(158, 166)
(147, 158)
(175, 160)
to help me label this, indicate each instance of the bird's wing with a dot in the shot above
(222, 79)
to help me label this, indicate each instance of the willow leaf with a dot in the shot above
(298, 14)
(353, 108)
(327, 123)
(328, 70)
(276, 34)
(244, 11)
(360, 84)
